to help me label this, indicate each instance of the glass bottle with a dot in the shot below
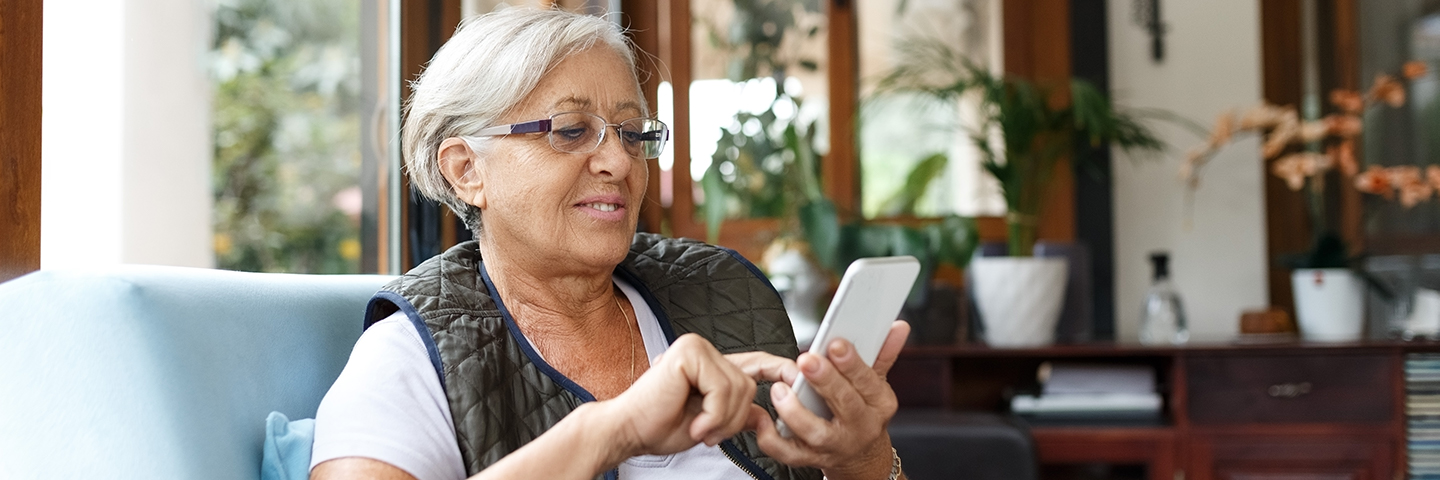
(1162, 320)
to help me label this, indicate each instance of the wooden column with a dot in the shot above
(20, 66)
(1037, 47)
(840, 173)
(641, 16)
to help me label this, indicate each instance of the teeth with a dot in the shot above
(604, 207)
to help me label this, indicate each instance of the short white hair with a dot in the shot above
(490, 65)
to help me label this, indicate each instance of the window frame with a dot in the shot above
(1037, 45)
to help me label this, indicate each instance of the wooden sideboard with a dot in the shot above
(1286, 411)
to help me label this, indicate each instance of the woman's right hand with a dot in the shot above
(690, 394)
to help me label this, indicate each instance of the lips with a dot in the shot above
(604, 207)
(604, 203)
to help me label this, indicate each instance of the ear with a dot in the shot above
(461, 167)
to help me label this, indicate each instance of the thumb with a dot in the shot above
(757, 418)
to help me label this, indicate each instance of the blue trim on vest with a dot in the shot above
(519, 337)
(745, 462)
(414, 316)
(664, 320)
(753, 269)
(660, 316)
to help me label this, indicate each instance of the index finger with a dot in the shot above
(763, 366)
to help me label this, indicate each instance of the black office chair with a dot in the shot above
(939, 445)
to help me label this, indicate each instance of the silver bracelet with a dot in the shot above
(895, 465)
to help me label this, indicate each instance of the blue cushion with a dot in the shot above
(287, 448)
(143, 372)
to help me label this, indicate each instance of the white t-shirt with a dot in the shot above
(388, 405)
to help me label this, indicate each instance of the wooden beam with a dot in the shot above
(641, 18)
(840, 176)
(1287, 226)
(1037, 47)
(674, 26)
(20, 67)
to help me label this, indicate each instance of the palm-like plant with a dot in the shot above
(1024, 129)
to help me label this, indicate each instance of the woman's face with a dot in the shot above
(574, 210)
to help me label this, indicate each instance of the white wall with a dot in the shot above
(126, 143)
(1212, 64)
(81, 132)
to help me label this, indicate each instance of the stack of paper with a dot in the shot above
(1092, 393)
(1422, 414)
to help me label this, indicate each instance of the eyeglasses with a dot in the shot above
(580, 132)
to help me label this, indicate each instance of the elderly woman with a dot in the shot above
(561, 344)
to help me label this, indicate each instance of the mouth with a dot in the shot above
(601, 206)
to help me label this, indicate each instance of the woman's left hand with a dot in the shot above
(852, 445)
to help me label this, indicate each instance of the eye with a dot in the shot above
(573, 132)
(631, 136)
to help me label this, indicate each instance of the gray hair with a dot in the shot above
(490, 65)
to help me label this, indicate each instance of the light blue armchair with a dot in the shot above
(161, 372)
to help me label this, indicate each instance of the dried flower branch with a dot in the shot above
(1281, 129)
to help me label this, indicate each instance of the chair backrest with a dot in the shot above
(164, 372)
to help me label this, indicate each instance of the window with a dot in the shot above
(898, 131)
(287, 163)
(756, 69)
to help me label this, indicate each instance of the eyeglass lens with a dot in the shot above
(582, 132)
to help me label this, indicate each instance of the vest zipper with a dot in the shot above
(731, 456)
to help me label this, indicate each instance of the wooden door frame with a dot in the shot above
(20, 82)
(1288, 228)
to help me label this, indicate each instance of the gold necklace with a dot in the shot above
(630, 330)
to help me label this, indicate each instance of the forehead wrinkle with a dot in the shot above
(573, 102)
(629, 105)
(576, 103)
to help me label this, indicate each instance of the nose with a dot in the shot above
(610, 157)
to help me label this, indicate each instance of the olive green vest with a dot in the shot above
(502, 394)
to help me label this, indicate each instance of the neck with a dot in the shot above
(544, 299)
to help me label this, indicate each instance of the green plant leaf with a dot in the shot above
(917, 183)
(821, 228)
(953, 240)
(714, 209)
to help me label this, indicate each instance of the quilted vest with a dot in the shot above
(502, 394)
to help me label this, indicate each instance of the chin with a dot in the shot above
(609, 249)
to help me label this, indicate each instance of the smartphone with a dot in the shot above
(868, 301)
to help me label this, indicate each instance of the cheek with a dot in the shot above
(639, 178)
(539, 185)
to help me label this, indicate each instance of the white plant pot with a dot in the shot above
(1329, 304)
(1019, 298)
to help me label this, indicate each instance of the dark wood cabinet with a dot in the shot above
(1298, 388)
(1290, 411)
(1294, 456)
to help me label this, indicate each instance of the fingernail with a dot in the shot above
(810, 365)
(838, 350)
(779, 392)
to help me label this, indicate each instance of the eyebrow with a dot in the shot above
(585, 104)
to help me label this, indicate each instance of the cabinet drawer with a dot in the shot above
(1290, 389)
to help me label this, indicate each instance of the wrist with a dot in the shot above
(875, 463)
(602, 438)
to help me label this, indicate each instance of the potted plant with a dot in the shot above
(1328, 284)
(1022, 135)
(817, 241)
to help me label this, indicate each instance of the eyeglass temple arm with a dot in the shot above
(538, 126)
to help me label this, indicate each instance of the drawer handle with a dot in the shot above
(1289, 390)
